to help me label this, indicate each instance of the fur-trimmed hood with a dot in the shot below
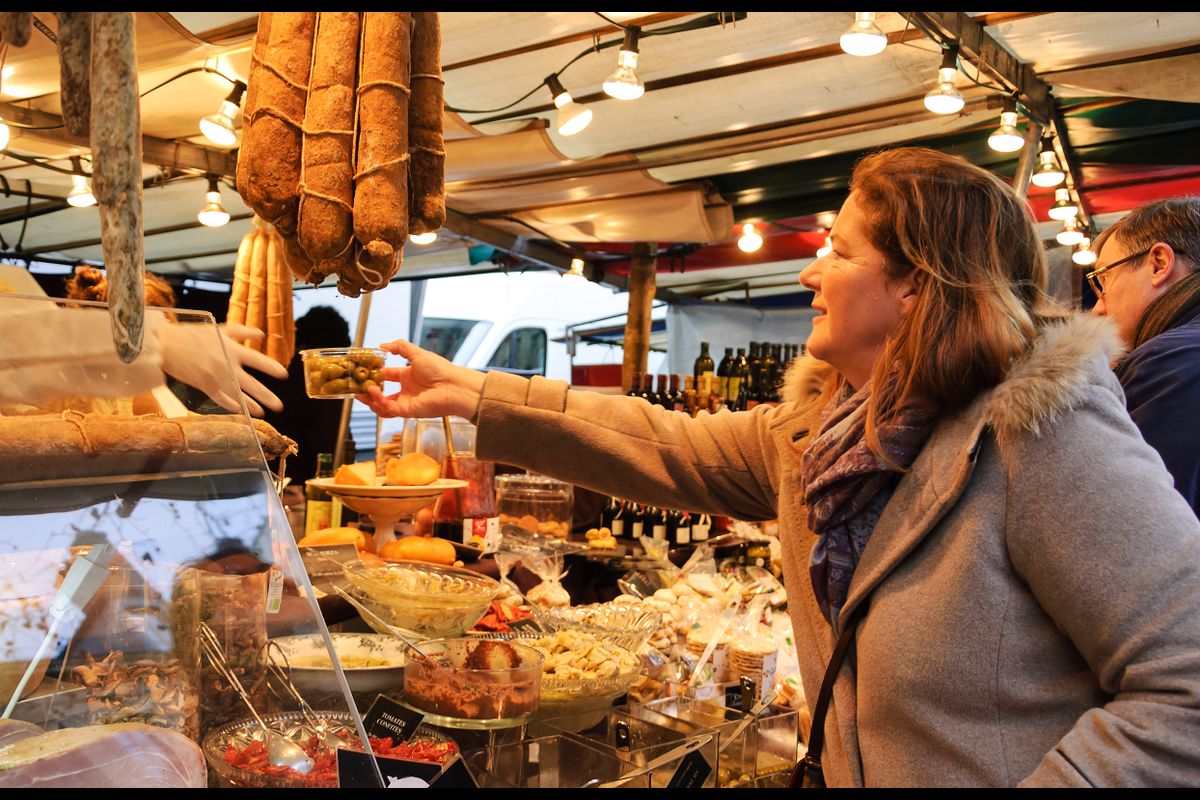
(1048, 381)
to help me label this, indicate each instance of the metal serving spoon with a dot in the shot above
(362, 609)
(666, 758)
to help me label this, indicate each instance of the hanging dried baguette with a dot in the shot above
(427, 167)
(278, 286)
(381, 176)
(74, 62)
(256, 305)
(241, 279)
(16, 27)
(116, 141)
(326, 228)
(270, 156)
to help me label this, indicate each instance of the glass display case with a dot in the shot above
(146, 564)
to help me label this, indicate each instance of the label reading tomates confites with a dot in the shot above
(386, 717)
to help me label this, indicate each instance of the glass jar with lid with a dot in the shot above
(535, 503)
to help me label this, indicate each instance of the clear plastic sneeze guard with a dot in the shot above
(146, 565)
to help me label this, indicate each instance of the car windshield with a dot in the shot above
(445, 336)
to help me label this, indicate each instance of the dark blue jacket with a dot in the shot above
(1162, 391)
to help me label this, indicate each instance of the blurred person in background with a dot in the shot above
(1147, 281)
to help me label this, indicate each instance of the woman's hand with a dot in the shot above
(192, 354)
(430, 386)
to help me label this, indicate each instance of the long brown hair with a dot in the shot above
(981, 283)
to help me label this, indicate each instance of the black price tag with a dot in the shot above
(455, 776)
(621, 735)
(355, 772)
(386, 718)
(733, 697)
(528, 622)
(691, 773)
(749, 689)
(321, 562)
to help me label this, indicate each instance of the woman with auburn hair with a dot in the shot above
(973, 531)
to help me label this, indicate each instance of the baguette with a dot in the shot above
(241, 279)
(16, 27)
(274, 344)
(74, 61)
(116, 141)
(256, 306)
(381, 171)
(427, 164)
(271, 146)
(326, 228)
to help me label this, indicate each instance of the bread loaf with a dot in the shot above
(256, 301)
(74, 63)
(326, 229)
(381, 172)
(240, 290)
(270, 156)
(427, 164)
(116, 141)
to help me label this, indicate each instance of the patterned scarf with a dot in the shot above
(847, 487)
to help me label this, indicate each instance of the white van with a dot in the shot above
(512, 322)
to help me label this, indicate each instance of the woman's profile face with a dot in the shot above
(858, 307)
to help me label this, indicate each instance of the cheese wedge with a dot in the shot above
(360, 474)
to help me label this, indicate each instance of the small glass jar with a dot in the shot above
(535, 503)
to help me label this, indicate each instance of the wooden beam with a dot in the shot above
(170, 153)
(242, 29)
(637, 321)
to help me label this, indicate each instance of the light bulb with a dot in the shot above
(1048, 173)
(864, 38)
(945, 98)
(423, 238)
(1006, 138)
(750, 240)
(1083, 255)
(826, 248)
(576, 270)
(572, 117)
(1064, 207)
(623, 83)
(81, 195)
(213, 214)
(5, 134)
(1070, 234)
(218, 127)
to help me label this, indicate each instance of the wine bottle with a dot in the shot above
(637, 521)
(704, 363)
(723, 371)
(754, 374)
(616, 523)
(738, 374)
(677, 402)
(775, 378)
(683, 528)
(657, 523)
(689, 394)
(700, 528)
(647, 390)
(318, 503)
(606, 513)
(664, 393)
(635, 385)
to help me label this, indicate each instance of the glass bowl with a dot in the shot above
(474, 683)
(428, 599)
(335, 373)
(627, 626)
(245, 732)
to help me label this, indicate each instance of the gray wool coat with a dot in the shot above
(1033, 583)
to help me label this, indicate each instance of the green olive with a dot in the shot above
(361, 374)
(377, 376)
(353, 387)
(367, 385)
(375, 361)
(337, 386)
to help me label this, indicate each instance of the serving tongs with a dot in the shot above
(671, 755)
(281, 751)
(315, 723)
(366, 612)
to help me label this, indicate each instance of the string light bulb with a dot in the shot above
(864, 38)
(572, 117)
(218, 127)
(80, 195)
(428, 237)
(1084, 256)
(1064, 207)
(1048, 173)
(213, 214)
(623, 83)
(1070, 234)
(945, 98)
(750, 240)
(576, 270)
(826, 248)
(1006, 138)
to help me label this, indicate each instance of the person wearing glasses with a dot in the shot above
(1148, 282)
(960, 490)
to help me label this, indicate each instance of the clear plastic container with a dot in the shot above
(336, 373)
(474, 683)
(535, 503)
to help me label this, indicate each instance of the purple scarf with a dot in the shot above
(847, 487)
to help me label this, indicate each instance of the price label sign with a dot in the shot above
(691, 773)
(321, 562)
(455, 776)
(355, 772)
(387, 718)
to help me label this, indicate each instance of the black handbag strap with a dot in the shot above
(816, 737)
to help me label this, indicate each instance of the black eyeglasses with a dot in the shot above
(1094, 276)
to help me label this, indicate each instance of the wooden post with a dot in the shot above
(637, 323)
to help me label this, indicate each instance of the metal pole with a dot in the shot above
(364, 311)
(1029, 153)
